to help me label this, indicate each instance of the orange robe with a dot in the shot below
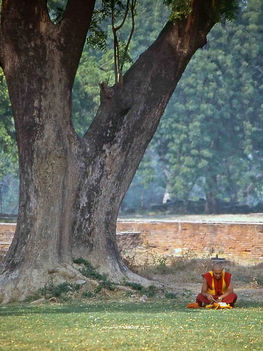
(217, 287)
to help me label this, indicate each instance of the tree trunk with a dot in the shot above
(71, 188)
(211, 205)
(122, 129)
(39, 75)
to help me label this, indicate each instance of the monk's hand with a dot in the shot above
(210, 298)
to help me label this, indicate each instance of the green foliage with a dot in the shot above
(209, 140)
(106, 284)
(228, 9)
(8, 149)
(259, 281)
(134, 286)
(88, 294)
(89, 271)
(170, 295)
(111, 28)
(180, 9)
(59, 290)
(8, 153)
(64, 290)
(97, 36)
(225, 9)
(162, 265)
(56, 9)
(149, 291)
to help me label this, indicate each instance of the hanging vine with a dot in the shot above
(121, 48)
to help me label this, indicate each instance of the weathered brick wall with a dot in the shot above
(239, 242)
(6, 235)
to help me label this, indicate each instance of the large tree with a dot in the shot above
(71, 188)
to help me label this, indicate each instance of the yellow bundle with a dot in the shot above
(214, 305)
(218, 305)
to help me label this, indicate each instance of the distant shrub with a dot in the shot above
(88, 294)
(51, 290)
(170, 295)
(89, 271)
(134, 286)
(259, 281)
(150, 291)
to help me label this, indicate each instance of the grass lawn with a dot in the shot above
(106, 325)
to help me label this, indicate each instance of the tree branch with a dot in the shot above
(115, 43)
(77, 15)
(119, 59)
(125, 16)
(133, 5)
(138, 104)
(24, 12)
(22, 19)
(73, 30)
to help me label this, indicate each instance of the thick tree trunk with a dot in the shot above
(71, 189)
(48, 173)
(39, 74)
(116, 141)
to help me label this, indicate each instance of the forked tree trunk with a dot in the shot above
(71, 188)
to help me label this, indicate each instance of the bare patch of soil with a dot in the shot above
(184, 278)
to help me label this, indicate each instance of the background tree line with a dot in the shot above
(207, 148)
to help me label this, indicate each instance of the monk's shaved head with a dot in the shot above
(217, 266)
(217, 270)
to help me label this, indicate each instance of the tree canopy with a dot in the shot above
(209, 140)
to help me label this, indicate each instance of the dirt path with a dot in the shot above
(191, 290)
(188, 291)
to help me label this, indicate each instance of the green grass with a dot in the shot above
(156, 325)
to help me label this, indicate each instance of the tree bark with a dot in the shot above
(211, 204)
(122, 129)
(39, 76)
(71, 188)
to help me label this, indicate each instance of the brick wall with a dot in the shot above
(239, 242)
(6, 235)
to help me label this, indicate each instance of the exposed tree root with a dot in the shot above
(23, 284)
(118, 272)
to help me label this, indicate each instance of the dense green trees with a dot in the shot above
(209, 140)
(8, 154)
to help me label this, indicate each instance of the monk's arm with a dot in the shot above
(228, 292)
(204, 291)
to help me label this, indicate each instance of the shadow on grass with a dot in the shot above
(102, 306)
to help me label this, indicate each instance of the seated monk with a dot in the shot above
(216, 287)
